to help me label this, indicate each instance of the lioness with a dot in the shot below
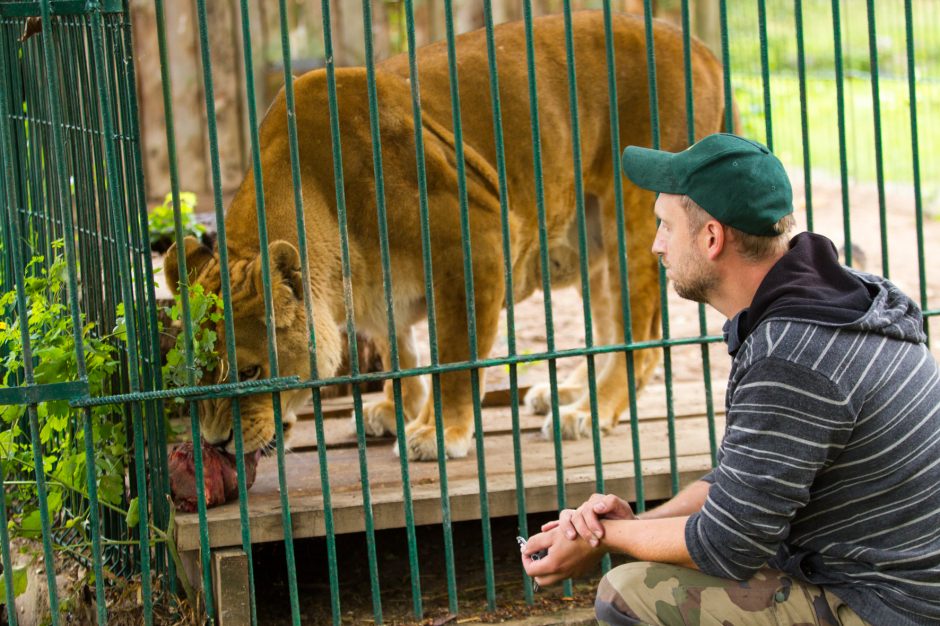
(485, 232)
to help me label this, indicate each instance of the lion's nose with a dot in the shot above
(217, 439)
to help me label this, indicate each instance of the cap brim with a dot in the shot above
(651, 169)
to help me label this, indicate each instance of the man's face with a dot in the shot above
(681, 252)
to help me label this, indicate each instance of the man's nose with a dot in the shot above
(658, 247)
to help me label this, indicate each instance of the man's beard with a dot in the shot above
(696, 285)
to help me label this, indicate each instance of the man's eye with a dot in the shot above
(249, 373)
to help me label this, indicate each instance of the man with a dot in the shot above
(825, 504)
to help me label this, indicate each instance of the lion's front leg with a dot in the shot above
(453, 341)
(378, 417)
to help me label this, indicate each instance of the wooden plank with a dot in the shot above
(463, 483)
(341, 432)
(689, 399)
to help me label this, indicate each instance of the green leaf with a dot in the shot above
(111, 488)
(133, 513)
(20, 582)
(31, 526)
(54, 502)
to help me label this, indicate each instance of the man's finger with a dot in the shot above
(593, 522)
(546, 581)
(584, 530)
(538, 542)
(536, 567)
(564, 524)
(547, 526)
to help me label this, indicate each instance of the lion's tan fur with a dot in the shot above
(404, 226)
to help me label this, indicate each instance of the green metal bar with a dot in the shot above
(471, 305)
(915, 153)
(33, 8)
(122, 27)
(63, 196)
(115, 202)
(879, 152)
(582, 250)
(36, 444)
(230, 390)
(94, 212)
(804, 114)
(663, 293)
(582, 241)
(8, 180)
(446, 523)
(98, 256)
(199, 468)
(226, 290)
(269, 312)
(117, 85)
(7, 559)
(625, 307)
(522, 523)
(726, 66)
(543, 256)
(765, 71)
(36, 394)
(840, 105)
(702, 325)
(390, 309)
(350, 310)
(308, 310)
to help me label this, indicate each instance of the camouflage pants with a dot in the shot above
(655, 593)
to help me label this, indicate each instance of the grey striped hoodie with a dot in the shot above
(830, 464)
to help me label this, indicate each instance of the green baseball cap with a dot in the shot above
(737, 181)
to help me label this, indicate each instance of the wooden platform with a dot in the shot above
(306, 501)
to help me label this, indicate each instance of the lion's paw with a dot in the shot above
(539, 397)
(378, 418)
(575, 423)
(421, 442)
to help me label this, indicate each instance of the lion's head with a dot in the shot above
(251, 338)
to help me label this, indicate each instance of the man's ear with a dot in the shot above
(285, 268)
(713, 234)
(196, 257)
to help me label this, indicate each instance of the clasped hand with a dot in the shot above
(574, 540)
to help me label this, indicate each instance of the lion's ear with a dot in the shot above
(196, 255)
(285, 267)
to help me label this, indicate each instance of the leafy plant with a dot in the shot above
(205, 309)
(161, 222)
(62, 437)
(61, 431)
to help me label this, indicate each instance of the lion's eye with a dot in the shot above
(249, 373)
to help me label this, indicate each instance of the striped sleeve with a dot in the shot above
(785, 424)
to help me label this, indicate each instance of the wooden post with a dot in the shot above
(230, 587)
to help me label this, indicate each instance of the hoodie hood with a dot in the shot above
(809, 285)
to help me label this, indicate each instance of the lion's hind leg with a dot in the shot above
(612, 380)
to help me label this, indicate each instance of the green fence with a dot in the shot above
(84, 401)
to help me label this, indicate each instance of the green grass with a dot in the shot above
(822, 107)
(821, 97)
